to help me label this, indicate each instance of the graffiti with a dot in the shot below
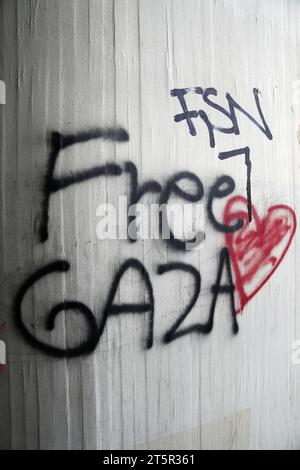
(111, 308)
(230, 114)
(257, 250)
(136, 193)
(216, 289)
(53, 184)
(224, 186)
(172, 187)
(248, 250)
(165, 192)
(240, 238)
(234, 153)
(253, 250)
(95, 331)
(59, 142)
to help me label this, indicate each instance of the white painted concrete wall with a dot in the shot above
(72, 65)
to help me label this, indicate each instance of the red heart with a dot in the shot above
(257, 249)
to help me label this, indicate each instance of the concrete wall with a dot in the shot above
(73, 67)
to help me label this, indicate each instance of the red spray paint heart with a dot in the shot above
(257, 249)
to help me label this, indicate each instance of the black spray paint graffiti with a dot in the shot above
(223, 186)
(234, 153)
(217, 288)
(188, 116)
(95, 332)
(59, 142)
